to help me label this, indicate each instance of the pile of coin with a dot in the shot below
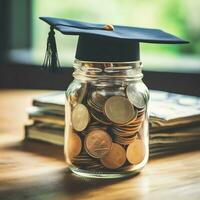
(107, 129)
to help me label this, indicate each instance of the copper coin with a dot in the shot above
(80, 117)
(94, 106)
(100, 117)
(119, 110)
(98, 143)
(98, 99)
(133, 120)
(93, 127)
(136, 151)
(115, 158)
(74, 145)
(124, 141)
(84, 161)
(125, 131)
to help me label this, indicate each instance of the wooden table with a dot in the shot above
(38, 171)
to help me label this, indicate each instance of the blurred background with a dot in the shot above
(23, 39)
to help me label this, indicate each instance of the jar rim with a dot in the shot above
(99, 62)
(90, 70)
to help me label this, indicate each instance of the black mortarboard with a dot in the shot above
(103, 43)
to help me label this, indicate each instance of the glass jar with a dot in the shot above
(106, 120)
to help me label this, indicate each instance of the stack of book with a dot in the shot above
(174, 121)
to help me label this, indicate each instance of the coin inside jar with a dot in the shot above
(136, 151)
(75, 145)
(97, 143)
(80, 117)
(119, 110)
(135, 96)
(76, 92)
(98, 99)
(115, 158)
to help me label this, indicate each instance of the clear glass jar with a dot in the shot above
(106, 120)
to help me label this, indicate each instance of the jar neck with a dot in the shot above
(107, 71)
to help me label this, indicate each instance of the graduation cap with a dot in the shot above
(102, 42)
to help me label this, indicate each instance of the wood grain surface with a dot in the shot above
(33, 170)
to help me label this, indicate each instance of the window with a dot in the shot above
(179, 17)
(24, 36)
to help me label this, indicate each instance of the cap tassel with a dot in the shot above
(51, 61)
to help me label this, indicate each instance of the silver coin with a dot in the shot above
(77, 90)
(136, 95)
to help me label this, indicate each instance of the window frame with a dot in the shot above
(30, 76)
(15, 75)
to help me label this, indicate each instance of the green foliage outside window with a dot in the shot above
(179, 17)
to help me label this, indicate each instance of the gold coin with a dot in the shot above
(119, 110)
(136, 151)
(97, 143)
(80, 117)
(115, 158)
(74, 145)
